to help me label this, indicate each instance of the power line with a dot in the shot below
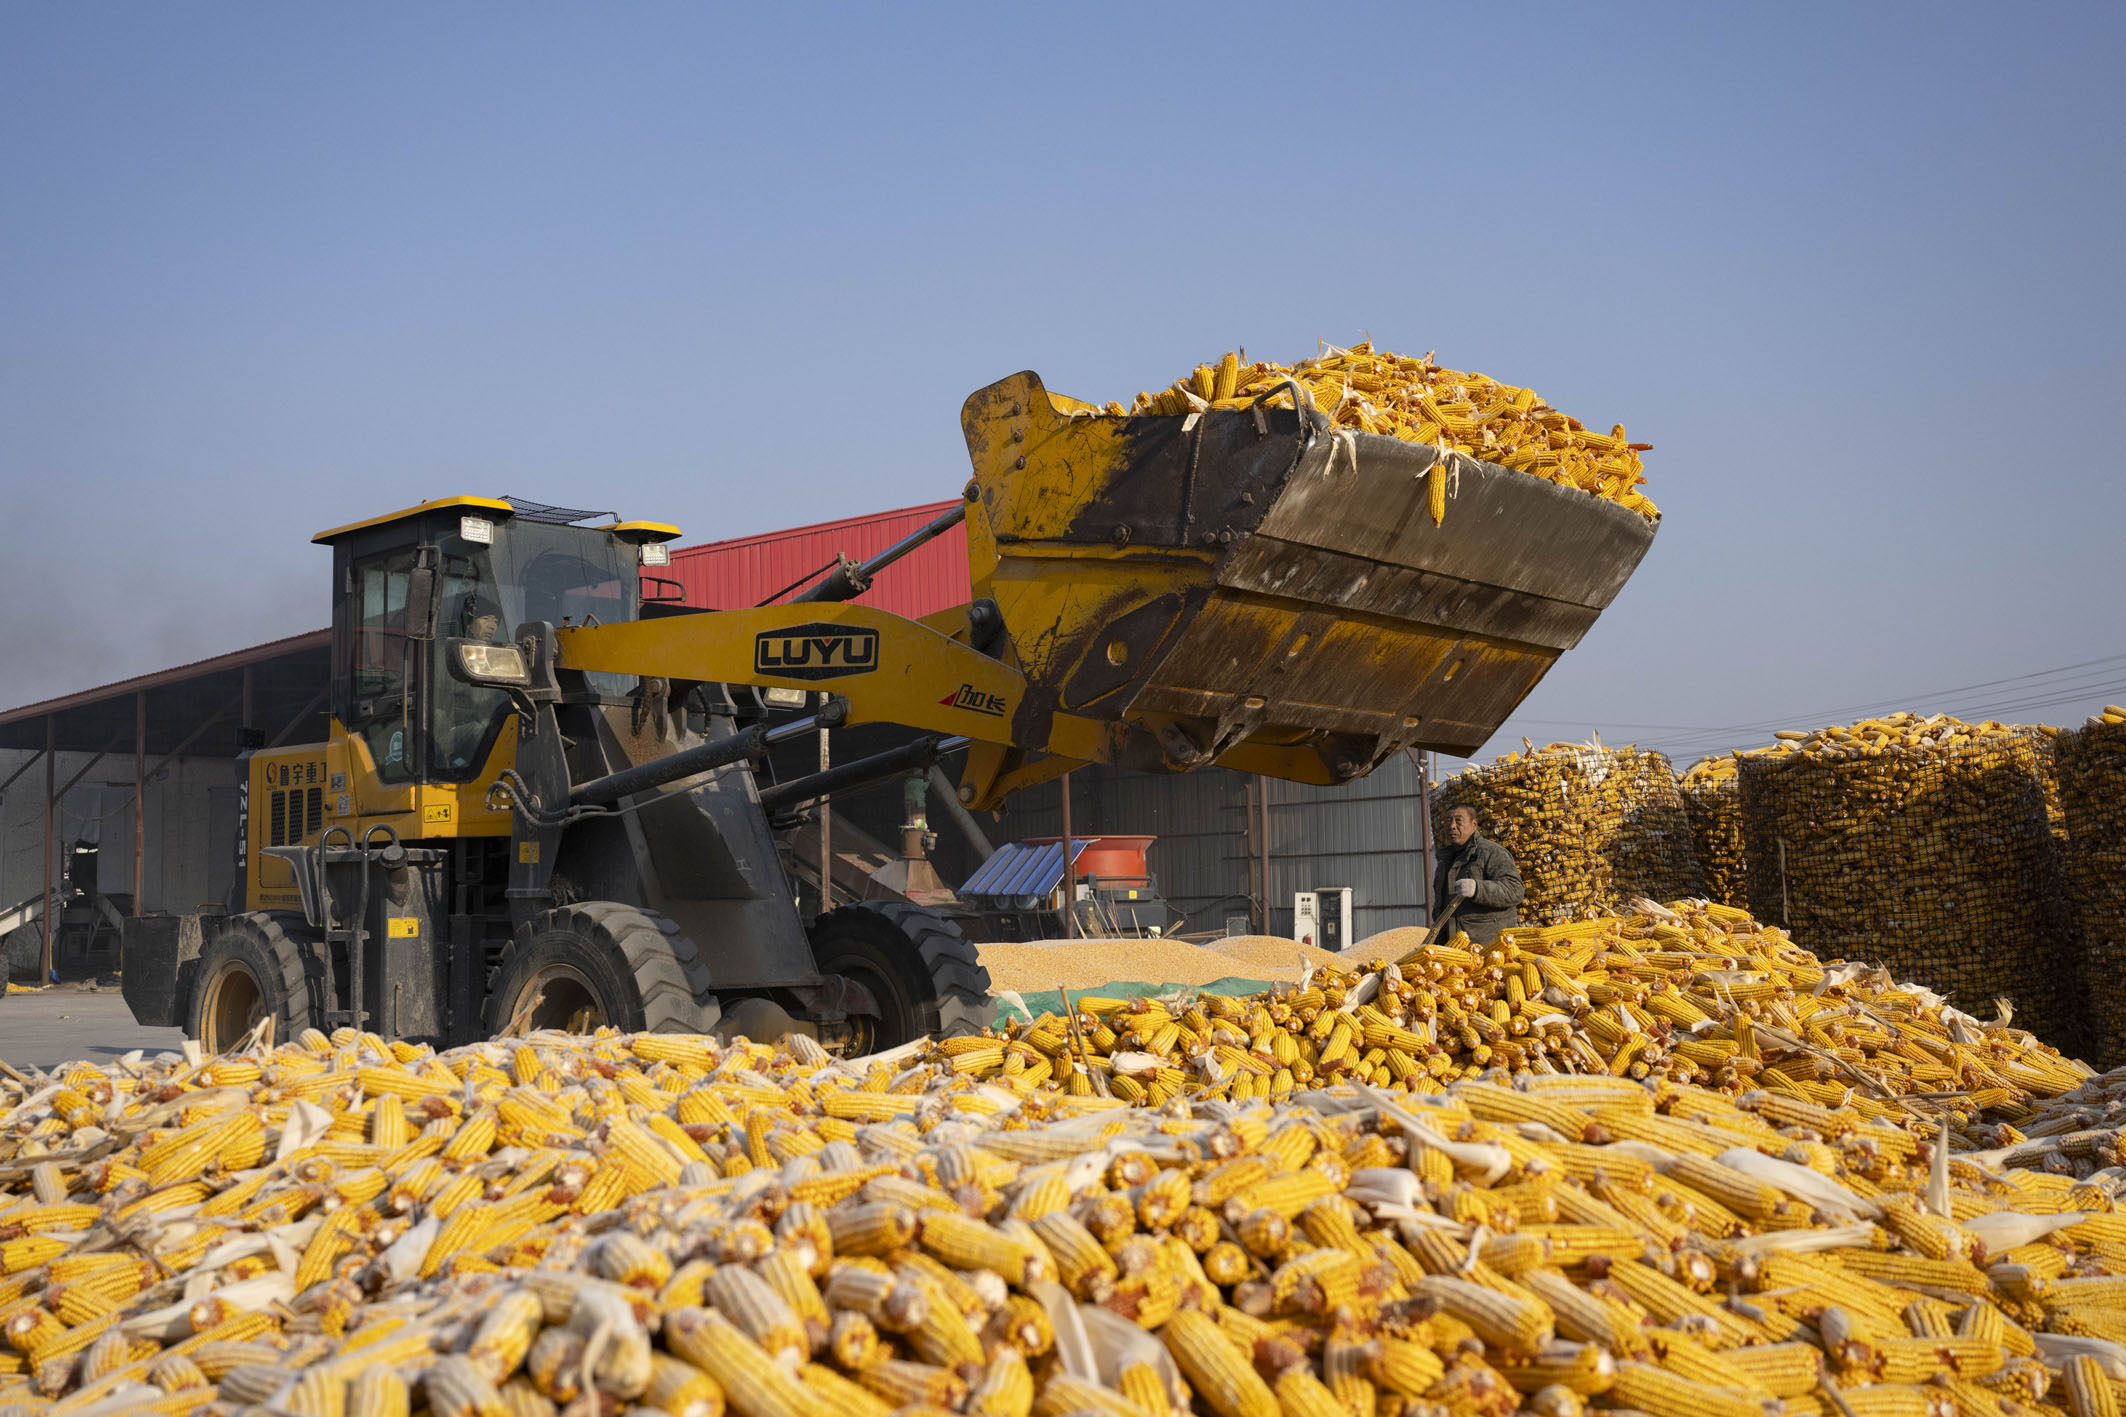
(1610, 723)
(2061, 691)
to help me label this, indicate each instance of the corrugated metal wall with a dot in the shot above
(1365, 836)
(730, 575)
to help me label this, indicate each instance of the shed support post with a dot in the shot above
(140, 796)
(1424, 833)
(1269, 904)
(51, 786)
(1070, 870)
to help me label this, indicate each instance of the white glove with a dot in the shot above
(1466, 888)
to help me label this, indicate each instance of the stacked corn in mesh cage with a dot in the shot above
(2092, 787)
(1924, 843)
(1712, 798)
(1589, 827)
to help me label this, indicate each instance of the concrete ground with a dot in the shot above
(68, 1023)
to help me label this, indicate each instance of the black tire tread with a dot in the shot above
(271, 930)
(959, 1001)
(671, 979)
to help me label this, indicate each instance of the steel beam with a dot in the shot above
(27, 763)
(103, 753)
(301, 715)
(141, 775)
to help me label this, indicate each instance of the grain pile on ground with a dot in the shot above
(1391, 943)
(1924, 843)
(666, 1224)
(1085, 964)
(2092, 777)
(1590, 827)
(1258, 952)
(1712, 798)
(1418, 401)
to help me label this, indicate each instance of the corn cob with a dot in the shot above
(377, 1392)
(1419, 401)
(750, 1379)
(1218, 1372)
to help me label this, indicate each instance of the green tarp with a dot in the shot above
(1051, 1000)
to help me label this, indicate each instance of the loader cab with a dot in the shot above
(472, 568)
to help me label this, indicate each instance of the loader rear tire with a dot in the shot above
(926, 976)
(598, 963)
(253, 968)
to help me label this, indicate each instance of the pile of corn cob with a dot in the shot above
(343, 1227)
(1590, 827)
(1897, 735)
(1421, 402)
(2092, 779)
(1694, 994)
(1925, 843)
(2057, 1134)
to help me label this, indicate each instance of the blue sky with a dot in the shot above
(1853, 270)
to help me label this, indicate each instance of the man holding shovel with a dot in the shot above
(1477, 878)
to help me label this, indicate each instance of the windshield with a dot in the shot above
(559, 574)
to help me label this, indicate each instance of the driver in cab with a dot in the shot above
(468, 709)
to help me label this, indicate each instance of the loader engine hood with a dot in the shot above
(1257, 588)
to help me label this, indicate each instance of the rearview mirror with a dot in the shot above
(421, 606)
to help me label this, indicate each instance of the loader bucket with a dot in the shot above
(1256, 588)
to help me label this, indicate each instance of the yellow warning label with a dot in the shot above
(436, 812)
(405, 927)
(527, 853)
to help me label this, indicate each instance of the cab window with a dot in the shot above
(465, 717)
(381, 657)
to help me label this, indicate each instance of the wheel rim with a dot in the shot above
(570, 1004)
(235, 1004)
(894, 1024)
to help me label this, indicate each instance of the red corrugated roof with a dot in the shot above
(746, 570)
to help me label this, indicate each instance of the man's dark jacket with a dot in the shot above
(1498, 887)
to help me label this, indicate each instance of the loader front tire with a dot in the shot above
(601, 963)
(252, 969)
(926, 976)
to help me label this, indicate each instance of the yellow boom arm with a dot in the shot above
(890, 669)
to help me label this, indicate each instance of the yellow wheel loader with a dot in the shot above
(539, 804)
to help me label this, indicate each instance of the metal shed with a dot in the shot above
(263, 695)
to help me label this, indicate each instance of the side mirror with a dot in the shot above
(421, 604)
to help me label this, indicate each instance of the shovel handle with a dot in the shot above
(1445, 919)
